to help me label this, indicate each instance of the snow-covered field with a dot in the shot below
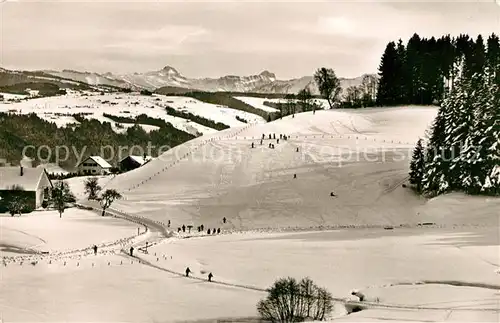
(45, 231)
(258, 103)
(411, 272)
(12, 97)
(59, 109)
(223, 114)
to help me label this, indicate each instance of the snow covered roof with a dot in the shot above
(99, 160)
(138, 159)
(30, 180)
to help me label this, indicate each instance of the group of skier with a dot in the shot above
(271, 137)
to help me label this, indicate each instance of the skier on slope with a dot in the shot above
(188, 271)
(210, 277)
(95, 249)
(131, 251)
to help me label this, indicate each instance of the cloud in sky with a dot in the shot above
(207, 38)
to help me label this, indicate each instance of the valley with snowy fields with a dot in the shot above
(249, 162)
(414, 259)
(60, 110)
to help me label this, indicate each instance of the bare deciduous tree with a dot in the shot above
(107, 198)
(292, 301)
(328, 85)
(60, 196)
(305, 98)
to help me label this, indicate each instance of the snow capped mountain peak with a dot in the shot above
(268, 74)
(169, 70)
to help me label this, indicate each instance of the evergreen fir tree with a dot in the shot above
(493, 56)
(444, 140)
(387, 93)
(413, 67)
(459, 120)
(478, 57)
(469, 165)
(417, 166)
(433, 175)
(487, 166)
(400, 74)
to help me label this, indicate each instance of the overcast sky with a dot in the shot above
(210, 39)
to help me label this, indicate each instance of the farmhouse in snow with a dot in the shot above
(94, 165)
(132, 162)
(32, 184)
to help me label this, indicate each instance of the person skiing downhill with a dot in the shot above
(95, 250)
(224, 220)
(188, 271)
(131, 251)
(210, 277)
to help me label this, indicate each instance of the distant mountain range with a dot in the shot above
(265, 82)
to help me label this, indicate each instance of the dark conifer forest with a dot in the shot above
(419, 71)
(462, 151)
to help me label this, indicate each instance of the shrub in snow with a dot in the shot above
(417, 166)
(92, 188)
(289, 300)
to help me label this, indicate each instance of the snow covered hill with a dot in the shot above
(361, 155)
(59, 109)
